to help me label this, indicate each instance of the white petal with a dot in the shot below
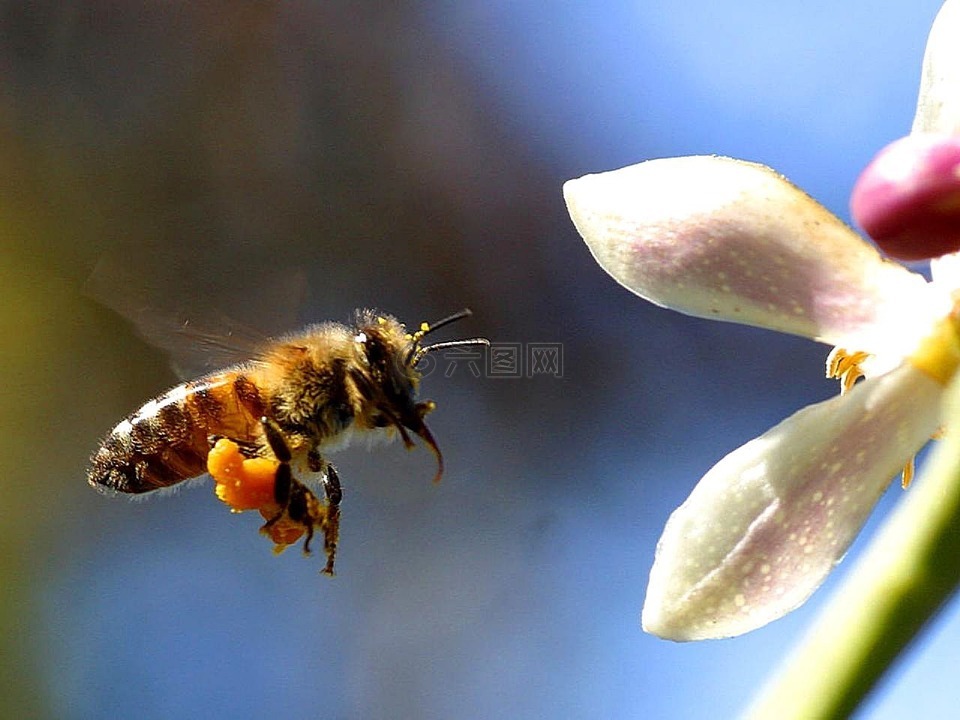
(731, 240)
(938, 106)
(764, 526)
(945, 271)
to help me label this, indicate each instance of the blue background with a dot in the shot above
(287, 164)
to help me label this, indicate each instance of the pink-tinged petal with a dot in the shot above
(765, 526)
(731, 240)
(908, 197)
(938, 105)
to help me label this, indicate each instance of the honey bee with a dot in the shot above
(301, 396)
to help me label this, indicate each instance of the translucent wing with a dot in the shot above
(198, 337)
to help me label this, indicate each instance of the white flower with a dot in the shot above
(731, 240)
(938, 104)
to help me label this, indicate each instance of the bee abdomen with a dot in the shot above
(119, 466)
(167, 440)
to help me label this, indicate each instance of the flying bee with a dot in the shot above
(261, 426)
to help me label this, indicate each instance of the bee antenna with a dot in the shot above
(418, 355)
(430, 327)
(416, 352)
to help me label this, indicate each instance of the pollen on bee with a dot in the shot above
(242, 483)
(248, 484)
(284, 532)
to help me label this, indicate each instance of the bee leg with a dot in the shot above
(297, 501)
(278, 443)
(303, 507)
(283, 481)
(334, 494)
(282, 484)
(331, 528)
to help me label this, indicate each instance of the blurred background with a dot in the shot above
(282, 163)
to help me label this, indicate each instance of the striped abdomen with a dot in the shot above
(167, 440)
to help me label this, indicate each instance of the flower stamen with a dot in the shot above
(906, 476)
(845, 366)
(939, 357)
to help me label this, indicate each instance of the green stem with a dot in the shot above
(905, 576)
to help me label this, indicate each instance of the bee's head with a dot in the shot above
(392, 355)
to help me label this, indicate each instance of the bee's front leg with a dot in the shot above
(298, 502)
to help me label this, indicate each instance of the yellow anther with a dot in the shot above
(845, 367)
(907, 477)
(937, 356)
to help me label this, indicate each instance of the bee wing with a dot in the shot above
(195, 346)
(198, 348)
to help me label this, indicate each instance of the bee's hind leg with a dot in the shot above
(298, 502)
(283, 481)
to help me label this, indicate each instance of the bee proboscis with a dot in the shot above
(301, 396)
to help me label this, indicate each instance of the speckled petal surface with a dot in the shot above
(765, 526)
(731, 240)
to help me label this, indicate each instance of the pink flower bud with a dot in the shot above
(908, 197)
